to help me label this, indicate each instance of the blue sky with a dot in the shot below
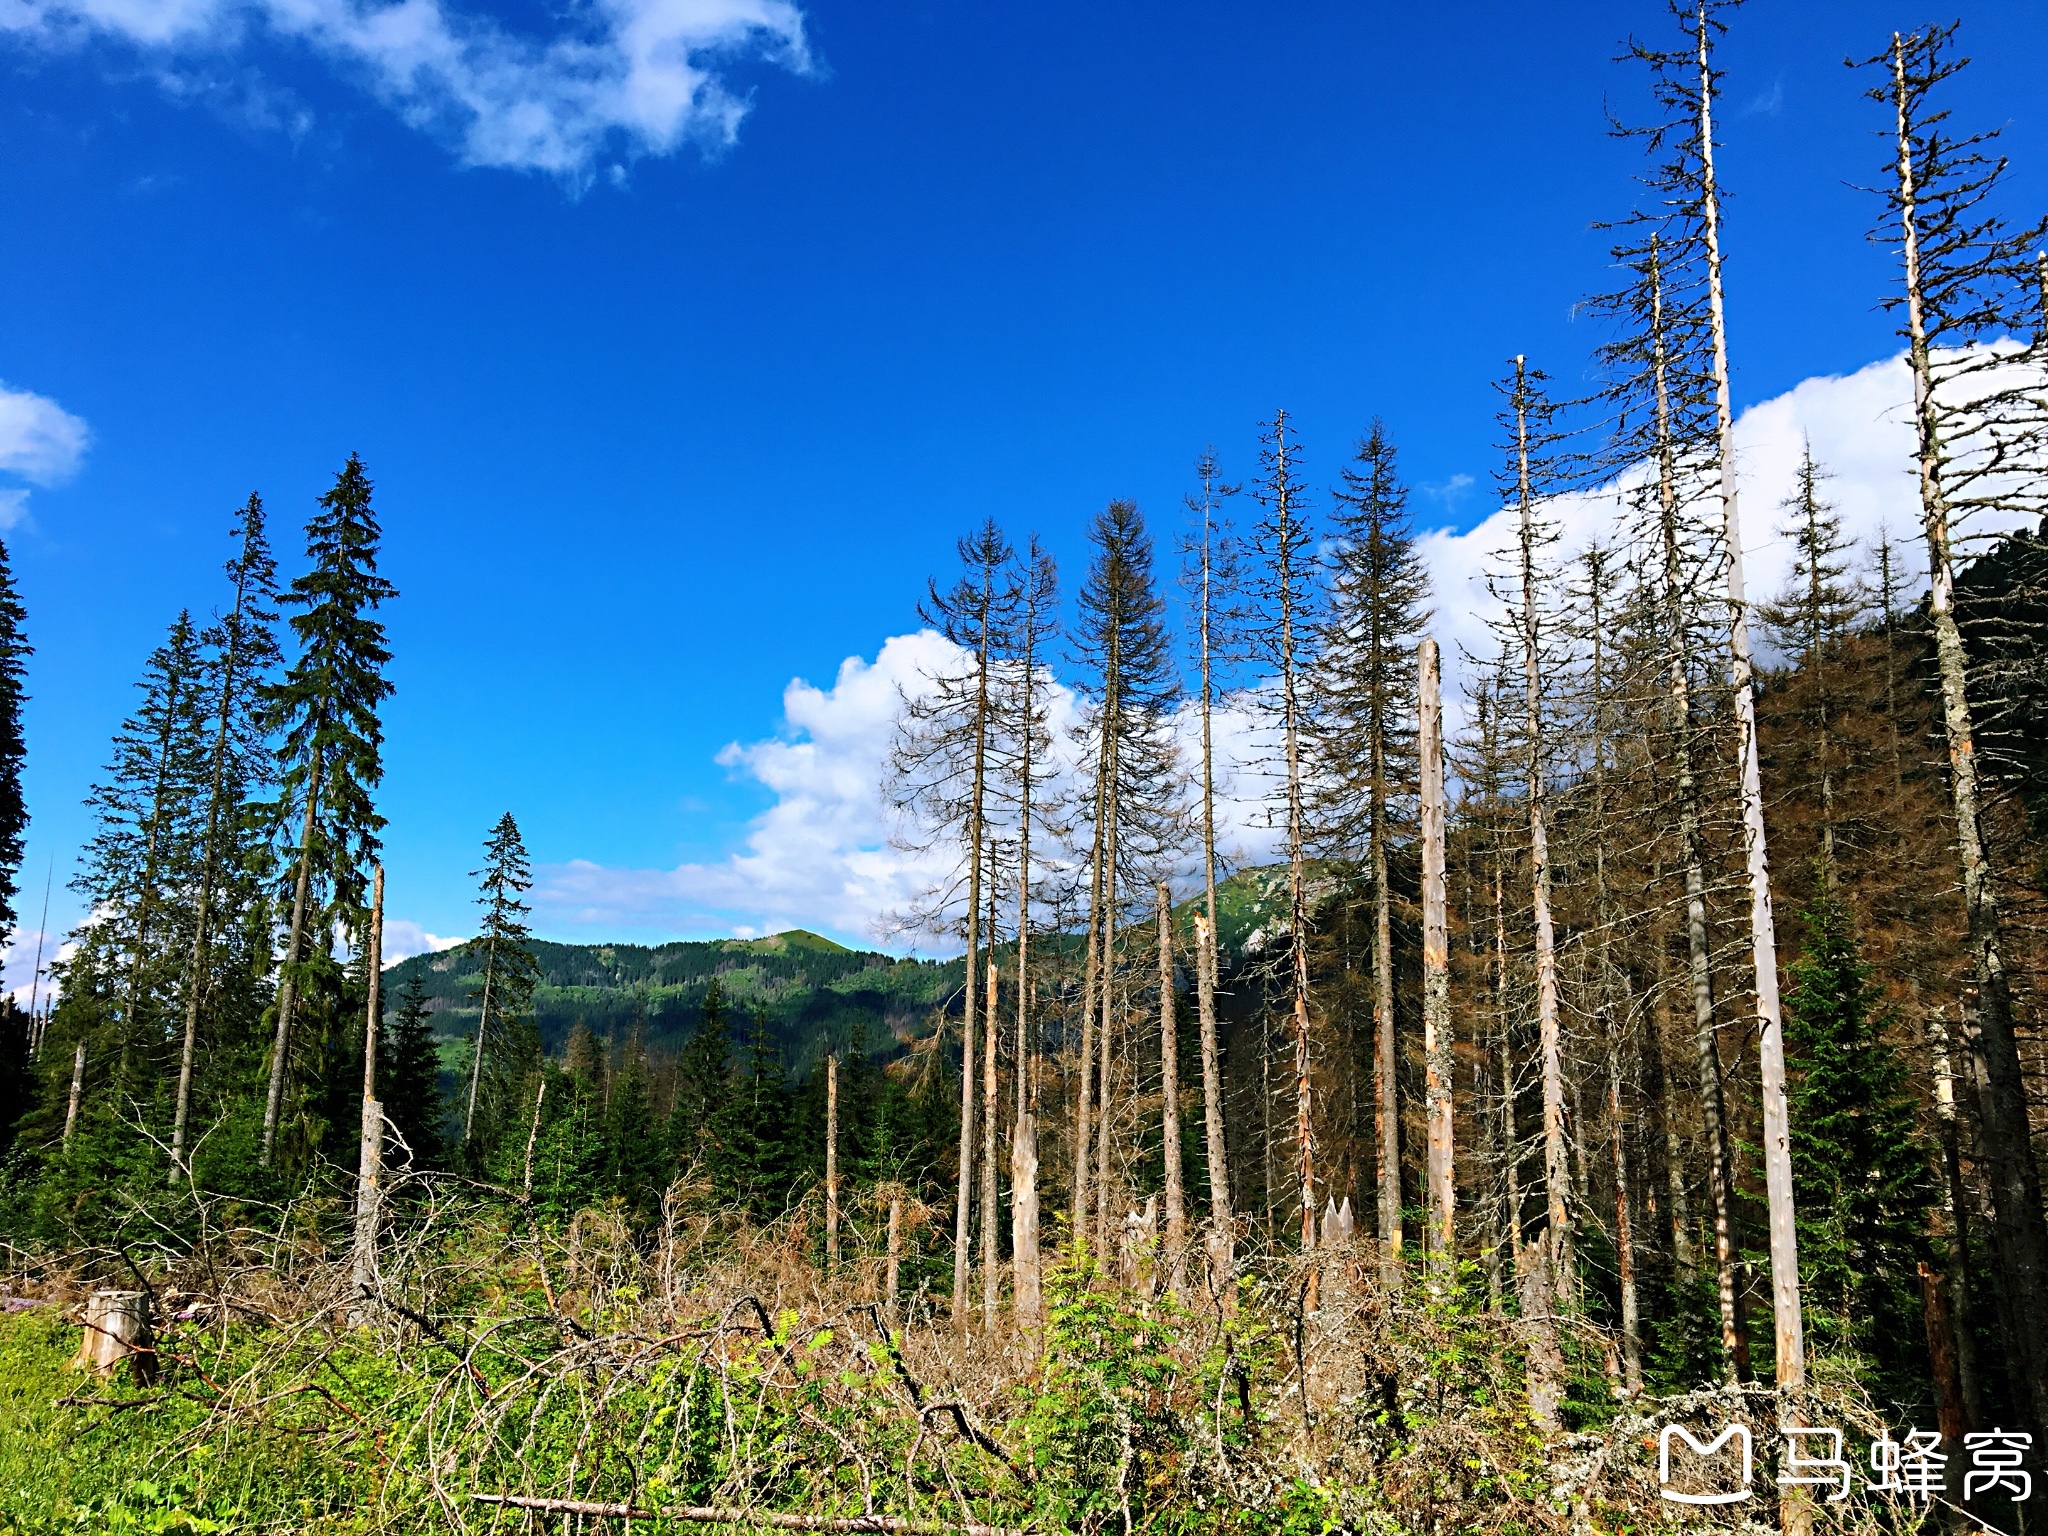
(678, 418)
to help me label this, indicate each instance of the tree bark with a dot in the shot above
(77, 1093)
(483, 1020)
(832, 1158)
(1222, 1233)
(1957, 1199)
(991, 1276)
(2019, 1231)
(370, 1160)
(1436, 973)
(1550, 1037)
(280, 1054)
(962, 1252)
(1796, 1509)
(1169, 1093)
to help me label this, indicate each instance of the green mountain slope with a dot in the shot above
(813, 990)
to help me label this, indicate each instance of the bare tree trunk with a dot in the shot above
(1795, 1507)
(832, 1158)
(1169, 1092)
(1510, 1141)
(1386, 1062)
(1222, 1233)
(209, 865)
(1222, 1227)
(370, 1163)
(1436, 973)
(1957, 1200)
(1026, 1291)
(1105, 1216)
(1550, 1037)
(976, 826)
(991, 1276)
(483, 1019)
(1297, 893)
(77, 1092)
(280, 1055)
(1713, 1114)
(895, 1260)
(2019, 1232)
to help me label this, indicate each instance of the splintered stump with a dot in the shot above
(117, 1329)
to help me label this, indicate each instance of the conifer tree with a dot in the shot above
(1968, 279)
(14, 653)
(1533, 475)
(511, 971)
(325, 708)
(1131, 688)
(1864, 1179)
(1282, 631)
(938, 775)
(409, 1076)
(703, 1081)
(1212, 575)
(1810, 620)
(144, 843)
(244, 647)
(1363, 688)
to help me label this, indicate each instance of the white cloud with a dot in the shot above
(40, 442)
(820, 856)
(1860, 425)
(404, 938)
(18, 975)
(621, 78)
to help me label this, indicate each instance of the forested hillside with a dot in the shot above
(1638, 1026)
(816, 993)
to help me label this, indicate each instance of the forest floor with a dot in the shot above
(707, 1376)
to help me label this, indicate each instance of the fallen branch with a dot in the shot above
(704, 1514)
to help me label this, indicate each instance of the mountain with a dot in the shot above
(812, 990)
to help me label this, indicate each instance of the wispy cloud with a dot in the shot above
(619, 79)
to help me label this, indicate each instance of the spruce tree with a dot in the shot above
(511, 971)
(145, 842)
(1362, 687)
(244, 651)
(14, 653)
(1862, 1177)
(749, 1159)
(635, 1170)
(409, 1061)
(326, 710)
(703, 1082)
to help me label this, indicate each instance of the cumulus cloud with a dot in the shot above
(1860, 426)
(620, 78)
(821, 856)
(40, 442)
(404, 938)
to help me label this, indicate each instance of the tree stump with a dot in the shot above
(117, 1329)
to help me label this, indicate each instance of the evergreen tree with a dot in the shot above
(14, 653)
(511, 971)
(1362, 736)
(229, 886)
(703, 1082)
(409, 1070)
(750, 1151)
(325, 707)
(1862, 1178)
(634, 1167)
(145, 841)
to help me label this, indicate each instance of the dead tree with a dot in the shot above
(1212, 575)
(1438, 1057)
(370, 1160)
(938, 777)
(1283, 629)
(1968, 278)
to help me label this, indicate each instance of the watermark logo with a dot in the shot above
(1812, 1457)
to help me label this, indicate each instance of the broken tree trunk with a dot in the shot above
(370, 1159)
(1436, 973)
